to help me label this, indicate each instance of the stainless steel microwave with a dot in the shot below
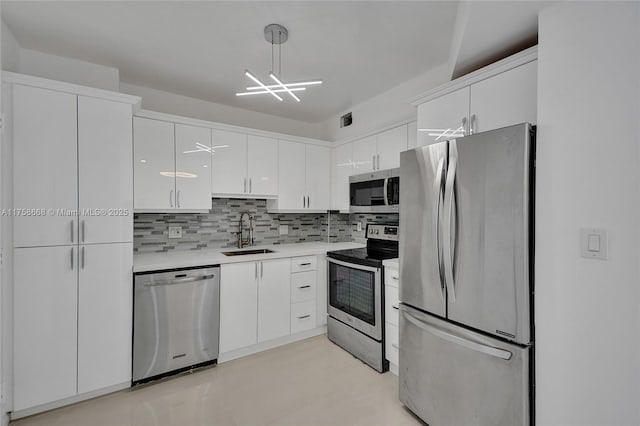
(375, 192)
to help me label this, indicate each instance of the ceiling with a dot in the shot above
(201, 49)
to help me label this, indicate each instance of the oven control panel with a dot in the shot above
(382, 232)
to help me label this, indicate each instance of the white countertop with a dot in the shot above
(391, 263)
(146, 262)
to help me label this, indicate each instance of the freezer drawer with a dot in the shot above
(450, 376)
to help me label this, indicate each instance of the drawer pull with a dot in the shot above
(395, 307)
(305, 286)
(304, 316)
(304, 264)
(395, 346)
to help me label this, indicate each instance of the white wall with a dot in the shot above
(171, 103)
(10, 49)
(69, 70)
(387, 108)
(588, 175)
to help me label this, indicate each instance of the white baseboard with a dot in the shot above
(393, 368)
(67, 401)
(263, 346)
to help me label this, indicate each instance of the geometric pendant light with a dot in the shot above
(276, 35)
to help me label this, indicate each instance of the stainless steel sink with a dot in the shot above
(243, 252)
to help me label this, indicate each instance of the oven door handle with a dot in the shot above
(353, 265)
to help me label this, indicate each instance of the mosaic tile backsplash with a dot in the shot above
(216, 228)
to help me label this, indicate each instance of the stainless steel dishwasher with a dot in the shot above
(176, 321)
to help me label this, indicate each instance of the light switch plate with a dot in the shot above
(283, 230)
(175, 232)
(593, 243)
(359, 226)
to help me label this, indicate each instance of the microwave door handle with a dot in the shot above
(448, 211)
(437, 190)
(386, 193)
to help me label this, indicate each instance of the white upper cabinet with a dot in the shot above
(303, 177)
(364, 154)
(262, 166)
(45, 166)
(505, 99)
(229, 162)
(390, 144)
(154, 164)
(443, 118)
(291, 176)
(318, 177)
(105, 170)
(170, 160)
(500, 95)
(342, 169)
(193, 167)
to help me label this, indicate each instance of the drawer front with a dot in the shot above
(303, 263)
(391, 304)
(303, 286)
(391, 277)
(303, 316)
(391, 343)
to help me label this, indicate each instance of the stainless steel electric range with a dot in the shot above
(356, 295)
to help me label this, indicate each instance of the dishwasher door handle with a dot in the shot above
(181, 281)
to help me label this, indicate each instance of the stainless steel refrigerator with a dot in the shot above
(466, 283)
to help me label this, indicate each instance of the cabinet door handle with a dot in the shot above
(395, 307)
(83, 230)
(72, 236)
(304, 264)
(304, 316)
(378, 157)
(308, 202)
(171, 198)
(256, 271)
(394, 277)
(373, 161)
(261, 269)
(303, 201)
(245, 185)
(82, 257)
(249, 185)
(304, 286)
(464, 126)
(472, 124)
(72, 258)
(178, 199)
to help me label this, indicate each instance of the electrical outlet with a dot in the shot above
(175, 232)
(283, 229)
(359, 226)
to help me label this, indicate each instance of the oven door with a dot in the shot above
(355, 296)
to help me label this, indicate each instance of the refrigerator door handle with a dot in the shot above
(446, 244)
(437, 190)
(469, 344)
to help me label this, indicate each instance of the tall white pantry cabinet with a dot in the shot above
(72, 238)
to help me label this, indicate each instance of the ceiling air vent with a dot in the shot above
(346, 120)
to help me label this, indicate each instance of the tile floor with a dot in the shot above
(311, 382)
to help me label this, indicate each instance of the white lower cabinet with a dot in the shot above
(104, 315)
(391, 314)
(45, 325)
(274, 299)
(75, 302)
(238, 305)
(303, 316)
